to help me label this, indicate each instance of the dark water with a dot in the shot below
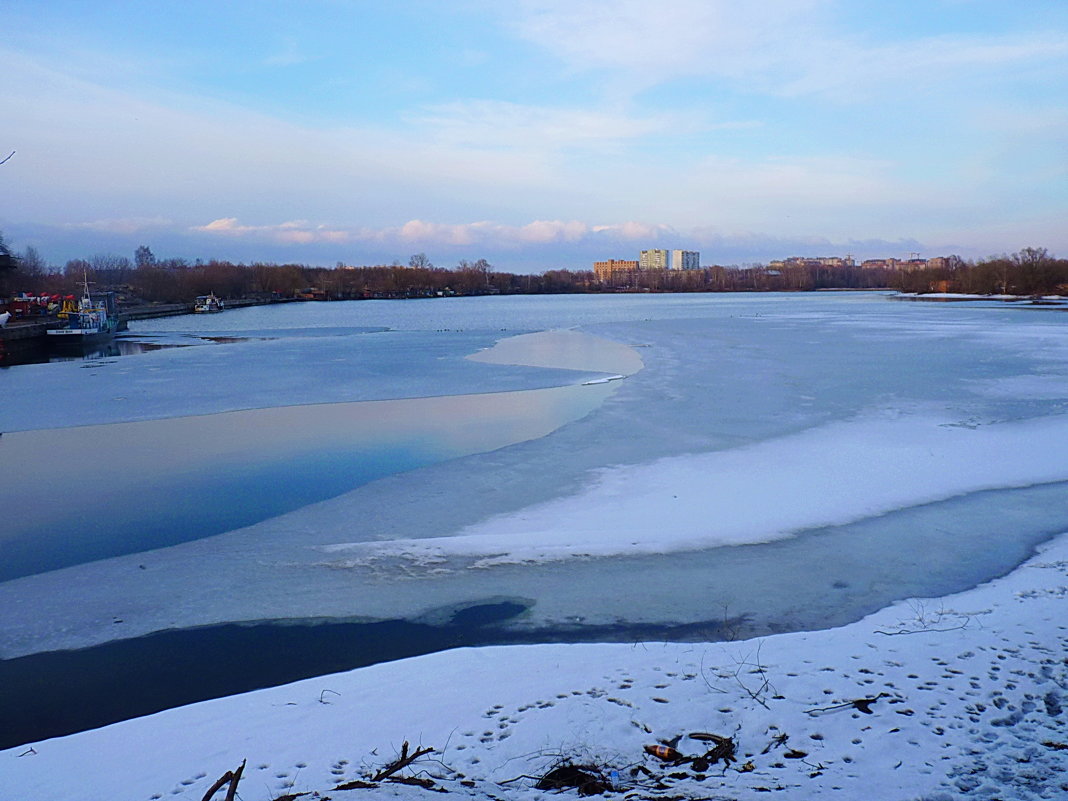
(62, 692)
(820, 578)
(19, 352)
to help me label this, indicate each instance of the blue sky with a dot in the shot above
(539, 134)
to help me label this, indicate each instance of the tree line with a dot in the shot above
(149, 279)
(1028, 272)
(145, 278)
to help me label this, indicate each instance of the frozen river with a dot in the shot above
(757, 463)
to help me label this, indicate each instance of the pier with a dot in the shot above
(21, 337)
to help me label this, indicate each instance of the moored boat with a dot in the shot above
(94, 320)
(206, 304)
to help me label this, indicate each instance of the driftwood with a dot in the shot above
(356, 785)
(404, 760)
(587, 779)
(724, 750)
(233, 777)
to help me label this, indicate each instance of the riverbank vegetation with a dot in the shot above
(145, 278)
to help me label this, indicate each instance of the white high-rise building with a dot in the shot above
(685, 260)
(653, 260)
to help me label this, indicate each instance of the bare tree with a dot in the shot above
(420, 261)
(7, 260)
(143, 257)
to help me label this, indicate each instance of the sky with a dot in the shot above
(538, 134)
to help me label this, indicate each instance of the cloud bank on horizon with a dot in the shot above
(538, 134)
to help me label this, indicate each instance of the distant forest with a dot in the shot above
(1031, 271)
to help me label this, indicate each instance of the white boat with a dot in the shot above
(206, 304)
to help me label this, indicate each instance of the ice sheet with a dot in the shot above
(269, 368)
(792, 400)
(832, 474)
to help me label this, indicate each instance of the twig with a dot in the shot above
(402, 762)
(776, 741)
(9, 155)
(756, 695)
(520, 776)
(919, 631)
(218, 783)
(926, 621)
(232, 792)
(862, 704)
(233, 777)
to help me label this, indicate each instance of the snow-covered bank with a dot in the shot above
(958, 697)
(1022, 300)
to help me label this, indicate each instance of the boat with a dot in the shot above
(206, 304)
(92, 321)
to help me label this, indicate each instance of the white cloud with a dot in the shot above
(499, 124)
(291, 232)
(775, 47)
(436, 233)
(420, 232)
(655, 42)
(425, 234)
(863, 69)
(634, 230)
(543, 231)
(125, 225)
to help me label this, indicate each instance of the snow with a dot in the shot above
(778, 464)
(1021, 299)
(971, 692)
(710, 500)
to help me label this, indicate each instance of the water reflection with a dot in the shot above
(32, 352)
(105, 350)
(93, 492)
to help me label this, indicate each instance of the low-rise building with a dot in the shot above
(816, 261)
(613, 270)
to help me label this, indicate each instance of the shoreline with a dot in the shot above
(505, 704)
(947, 682)
(1046, 301)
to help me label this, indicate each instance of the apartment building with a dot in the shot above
(814, 261)
(653, 260)
(685, 260)
(607, 271)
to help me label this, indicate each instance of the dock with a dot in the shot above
(28, 335)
